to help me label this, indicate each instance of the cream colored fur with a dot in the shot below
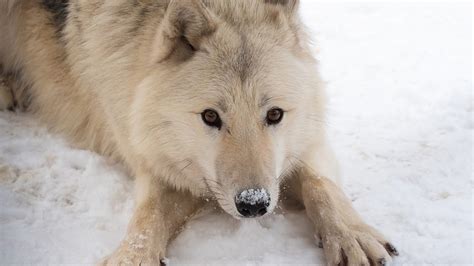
(130, 79)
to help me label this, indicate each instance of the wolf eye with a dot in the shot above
(211, 118)
(274, 116)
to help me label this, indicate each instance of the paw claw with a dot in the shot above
(382, 262)
(391, 249)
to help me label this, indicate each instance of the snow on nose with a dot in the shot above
(252, 202)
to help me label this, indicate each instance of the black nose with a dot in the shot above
(252, 202)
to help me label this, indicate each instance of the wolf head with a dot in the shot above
(233, 101)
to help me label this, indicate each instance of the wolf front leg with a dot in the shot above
(345, 237)
(159, 215)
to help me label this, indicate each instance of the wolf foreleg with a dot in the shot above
(159, 215)
(346, 239)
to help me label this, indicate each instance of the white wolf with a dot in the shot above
(198, 98)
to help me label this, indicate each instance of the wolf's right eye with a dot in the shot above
(274, 116)
(211, 118)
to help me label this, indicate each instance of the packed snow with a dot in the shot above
(399, 79)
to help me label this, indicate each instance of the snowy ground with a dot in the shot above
(399, 77)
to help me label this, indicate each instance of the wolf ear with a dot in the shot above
(184, 25)
(289, 6)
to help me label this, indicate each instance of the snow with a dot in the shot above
(399, 78)
(253, 196)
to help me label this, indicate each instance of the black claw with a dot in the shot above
(382, 262)
(162, 262)
(320, 244)
(391, 249)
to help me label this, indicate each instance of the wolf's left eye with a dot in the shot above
(211, 118)
(274, 116)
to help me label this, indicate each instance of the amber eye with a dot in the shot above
(274, 116)
(211, 118)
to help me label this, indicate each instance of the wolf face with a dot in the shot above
(227, 109)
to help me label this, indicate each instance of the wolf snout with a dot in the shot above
(252, 202)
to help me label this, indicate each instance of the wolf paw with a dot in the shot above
(356, 245)
(135, 254)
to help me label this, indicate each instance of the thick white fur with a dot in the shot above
(130, 79)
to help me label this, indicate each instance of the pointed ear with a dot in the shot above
(185, 24)
(289, 6)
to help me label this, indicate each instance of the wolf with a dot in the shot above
(199, 100)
